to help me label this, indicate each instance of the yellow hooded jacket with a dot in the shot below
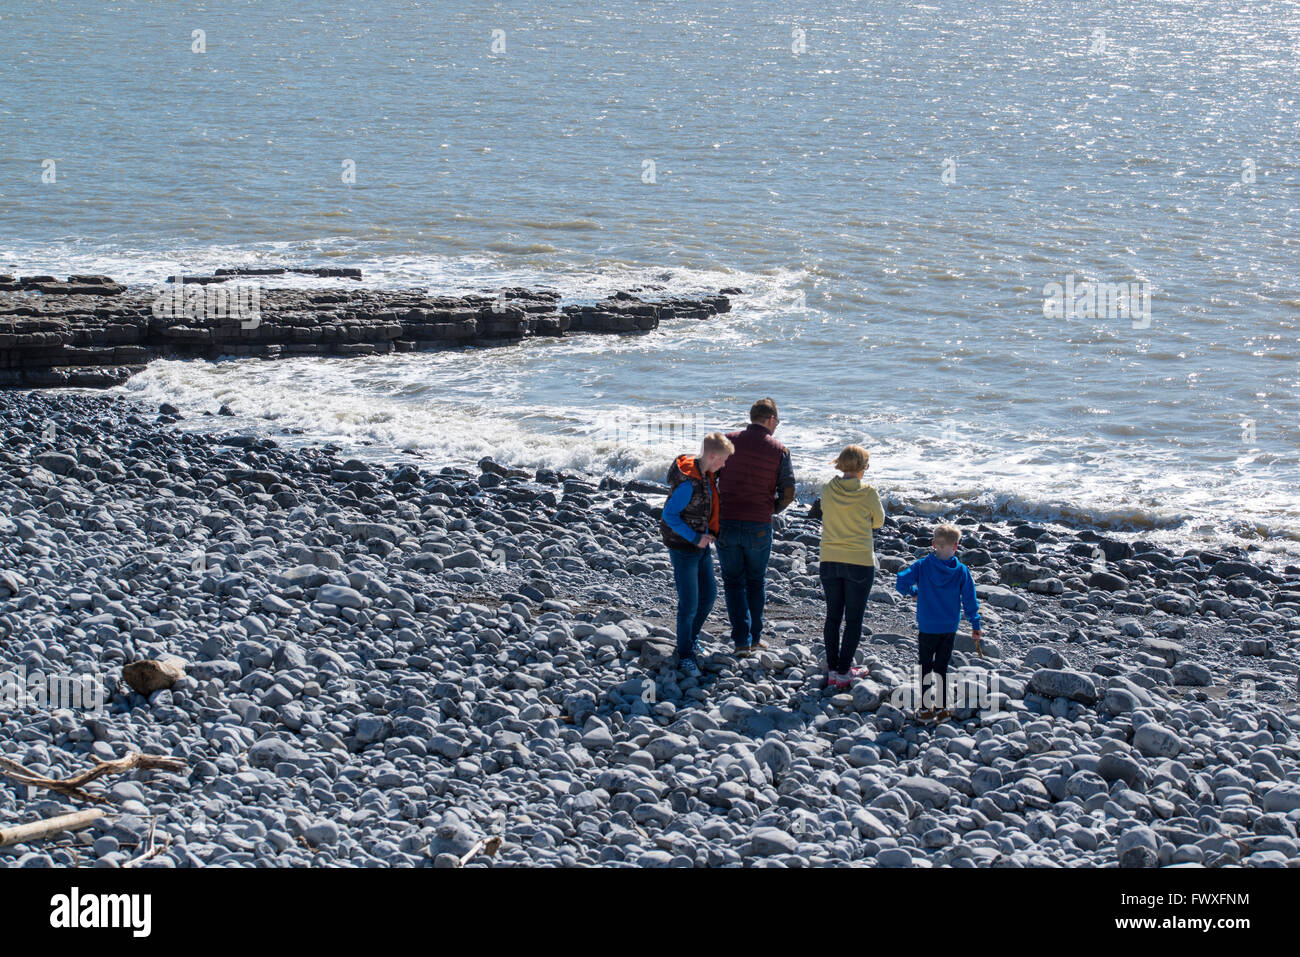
(850, 510)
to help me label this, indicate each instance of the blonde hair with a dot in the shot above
(947, 534)
(853, 458)
(717, 442)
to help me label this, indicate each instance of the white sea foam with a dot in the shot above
(456, 407)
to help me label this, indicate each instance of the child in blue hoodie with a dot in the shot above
(943, 587)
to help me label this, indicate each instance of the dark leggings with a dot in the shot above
(847, 587)
(936, 650)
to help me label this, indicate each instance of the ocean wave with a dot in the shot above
(402, 418)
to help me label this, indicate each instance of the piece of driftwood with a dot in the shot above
(151, 851)
(488, 845)
(39, 830)
(74, 785)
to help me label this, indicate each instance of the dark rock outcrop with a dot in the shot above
(91, 331)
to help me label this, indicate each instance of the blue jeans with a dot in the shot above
(696, 591)
(743, 551)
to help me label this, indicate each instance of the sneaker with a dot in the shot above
(853, 674)
(690, 669)
(925, 714)
(756, 646)
(741, 651)
(839, 679)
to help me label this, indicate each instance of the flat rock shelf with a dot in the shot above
(90, 331)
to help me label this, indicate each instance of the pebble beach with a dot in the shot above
(378, 665)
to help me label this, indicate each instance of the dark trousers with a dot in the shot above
(697, 589)
(743, 552)
(936, 650)
(847, 587)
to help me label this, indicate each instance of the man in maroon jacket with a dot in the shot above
(757, 482)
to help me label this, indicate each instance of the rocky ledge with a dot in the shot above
(380, 666)
(92, 332)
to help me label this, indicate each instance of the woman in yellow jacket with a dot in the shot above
(850, 510)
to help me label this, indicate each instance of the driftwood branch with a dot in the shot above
(39, 830)
(151, 851)
(74, 785)
(488, 845)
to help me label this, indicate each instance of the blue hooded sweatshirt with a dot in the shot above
(942, 589)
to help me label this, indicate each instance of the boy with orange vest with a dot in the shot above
(689, 527)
